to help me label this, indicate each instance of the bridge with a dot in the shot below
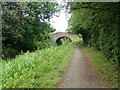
(56, 37)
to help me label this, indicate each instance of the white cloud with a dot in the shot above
(60, 23)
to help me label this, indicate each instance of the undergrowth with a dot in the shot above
(107, 68)
(39, 69)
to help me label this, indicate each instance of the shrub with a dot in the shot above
(79, 41)
(9, 52)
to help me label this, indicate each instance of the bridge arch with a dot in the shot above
(58, 41)
(59, 35)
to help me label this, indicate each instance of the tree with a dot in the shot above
(25, 24)
(99, 25)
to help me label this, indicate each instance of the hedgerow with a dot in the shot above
(99, 25)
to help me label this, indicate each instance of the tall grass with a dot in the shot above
(106, 68)
(39, 69)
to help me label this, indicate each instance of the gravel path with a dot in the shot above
(80, 73)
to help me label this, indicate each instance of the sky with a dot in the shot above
(60, 23)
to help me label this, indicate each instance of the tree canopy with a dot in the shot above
(25, 25)
(99, 25)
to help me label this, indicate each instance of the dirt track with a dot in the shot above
(80, 73)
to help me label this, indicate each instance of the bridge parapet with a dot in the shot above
(57, 35)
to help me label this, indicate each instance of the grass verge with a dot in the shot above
(39, 69)
(108, 71)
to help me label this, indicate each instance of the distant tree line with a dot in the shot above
(25, 26)
(99, 24)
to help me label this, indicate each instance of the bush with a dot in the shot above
(44, 44)
(9, 52)
(99, 26)
(79, 41)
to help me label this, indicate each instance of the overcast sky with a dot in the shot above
(60, 23)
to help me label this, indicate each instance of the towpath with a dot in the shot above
(80, 72)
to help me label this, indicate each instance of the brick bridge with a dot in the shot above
(56, 37)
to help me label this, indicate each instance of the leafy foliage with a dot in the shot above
(99, 25)
(39, 69)
(25, 24)
(63, 41)
(79, 41)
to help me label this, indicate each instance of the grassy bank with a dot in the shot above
(106, 68)
(40, 69)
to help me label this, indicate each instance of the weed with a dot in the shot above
(39, 69)
(108, 70)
